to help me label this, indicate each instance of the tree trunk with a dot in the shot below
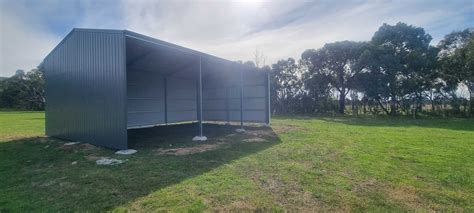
(471, 106)
(364, 105)
(432, 103)
(393, 105)
(414, 108)
(433, 107)
(470, 88)
(352, 106)
(342, 101)
(381, 106)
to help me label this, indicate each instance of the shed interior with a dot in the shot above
(163, 87)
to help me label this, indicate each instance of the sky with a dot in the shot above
(30, 29)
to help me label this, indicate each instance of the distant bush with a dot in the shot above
(23, 91)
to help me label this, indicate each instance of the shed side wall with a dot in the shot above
(86, 89)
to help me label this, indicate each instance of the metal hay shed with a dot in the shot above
(100, 83)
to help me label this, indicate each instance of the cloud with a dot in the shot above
(22, 45)
(30, 30)
(228, 29)
(281, 29)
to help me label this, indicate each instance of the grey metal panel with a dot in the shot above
(181, 100)
(254, 91)
(216, 86)
(222, 100)
(145, 98)
(85, 88)
(254, 96)
(138, 119)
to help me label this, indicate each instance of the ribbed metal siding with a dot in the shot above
(146, 103)
(181, 100)
(221, 97)
(86, 89)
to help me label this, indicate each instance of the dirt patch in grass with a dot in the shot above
(289, 128)
(286, 193)
(78, 147)
(42, 139)
(93, 157)
(254, 140)
(250, 136)
(260, 133)
(366, 186)
(237, 206)
(189, 150)
(407, 196)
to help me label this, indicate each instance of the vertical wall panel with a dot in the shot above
(145, 99)
(255, 95)
(181, 99)
(221, 95)
(86, 89)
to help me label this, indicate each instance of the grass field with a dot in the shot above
(300, 163)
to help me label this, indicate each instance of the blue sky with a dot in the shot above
(229, 29)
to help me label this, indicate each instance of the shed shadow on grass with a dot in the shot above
(40, 173)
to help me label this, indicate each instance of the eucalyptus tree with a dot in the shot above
(24, 90)
(286, 86)
(400, 61)
(457, 61)
(337, 64)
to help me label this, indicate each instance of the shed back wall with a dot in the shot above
(145, 98)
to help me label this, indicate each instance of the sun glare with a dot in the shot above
(251, 4)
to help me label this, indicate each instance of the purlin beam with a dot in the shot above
(138, 58)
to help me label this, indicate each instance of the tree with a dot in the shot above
(286, 86)
(259, 58)
(338, 62)
(35, 88)
(23, 91)
(457, 61)
(453, 41)
(400, 58)
(317, 89)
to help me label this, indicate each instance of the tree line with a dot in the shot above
(396, 72)
(23, 91)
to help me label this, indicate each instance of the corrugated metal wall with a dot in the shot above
(86, 89)
(221, 94)
(255, 96)
(146, 98)
(181, 99)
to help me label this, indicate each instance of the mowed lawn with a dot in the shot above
(300, 163)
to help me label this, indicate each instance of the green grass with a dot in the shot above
(18, 124)
(306, 163)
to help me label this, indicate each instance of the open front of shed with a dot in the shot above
(100, 83)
